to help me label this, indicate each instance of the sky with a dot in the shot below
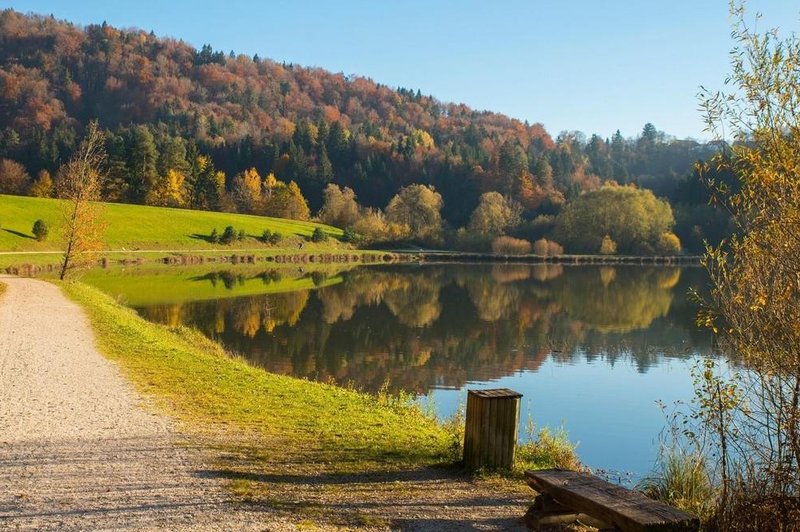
(589, 65)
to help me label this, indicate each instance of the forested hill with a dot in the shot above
(173, 112)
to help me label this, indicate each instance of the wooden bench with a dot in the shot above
(569, 496)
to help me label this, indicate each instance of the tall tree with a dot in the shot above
(635, 219)
(80, 182)
(754, 418)
(14, 179)
(339, 207)
(142, 158)
(247, 189)
(494, 214)
(419, 208)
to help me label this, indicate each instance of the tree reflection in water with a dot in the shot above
(438, 326)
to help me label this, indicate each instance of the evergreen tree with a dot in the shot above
(142, 158)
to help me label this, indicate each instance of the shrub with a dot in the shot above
(214, 236)
(547, 449)
(268, 237)
(319, 235)
(668, 244)
(608, 246)
(228, 235)
(372, 227)
(40, 230)
(554, 248)
(506, 245)
(349, 235)
(540, 247)
(242, 235)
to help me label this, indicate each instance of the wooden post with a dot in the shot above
(490, 436)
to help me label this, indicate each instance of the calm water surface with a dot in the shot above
(591, 348)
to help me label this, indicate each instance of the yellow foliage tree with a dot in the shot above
(168, 191)
(79, 183)
(247, 189)
(668, 244)
(419, 208)
(608, 246)
(287, 201)
(42, 187)
(755, 289)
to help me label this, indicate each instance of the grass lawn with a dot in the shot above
(196, 381)
(140, 227)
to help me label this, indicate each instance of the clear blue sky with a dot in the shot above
(589, 65)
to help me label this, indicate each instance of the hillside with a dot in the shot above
(132, 227)
(182, 123)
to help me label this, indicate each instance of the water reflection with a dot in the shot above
(441, 326)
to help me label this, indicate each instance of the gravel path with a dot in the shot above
(78, 449)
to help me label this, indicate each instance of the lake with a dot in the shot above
(592, 349)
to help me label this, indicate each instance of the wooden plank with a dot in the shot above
(626, 509)
(483, 455)
(515, 428)
(477, 437)
(503, 436)
(470, 434)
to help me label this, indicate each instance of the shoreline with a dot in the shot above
(610, 260)
(31, 263)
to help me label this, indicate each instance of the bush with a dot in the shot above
(554, 248)
(506, 245)
(540, 247)
(349, 235)
(242, 235)
(228, 235)
(546, 449)
(547, 248)
(608, 246)
(319, 235)
(268, 237)
(40, 230)
(214, 236)
(668, 244)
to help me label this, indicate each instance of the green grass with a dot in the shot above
(681, 479)
(195, 380)
(141, 227)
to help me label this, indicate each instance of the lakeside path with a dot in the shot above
(78, 447)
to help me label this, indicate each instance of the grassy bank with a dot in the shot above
(142, 227)
(196, 381)
(319, 453)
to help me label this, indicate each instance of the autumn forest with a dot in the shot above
(204, 129)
